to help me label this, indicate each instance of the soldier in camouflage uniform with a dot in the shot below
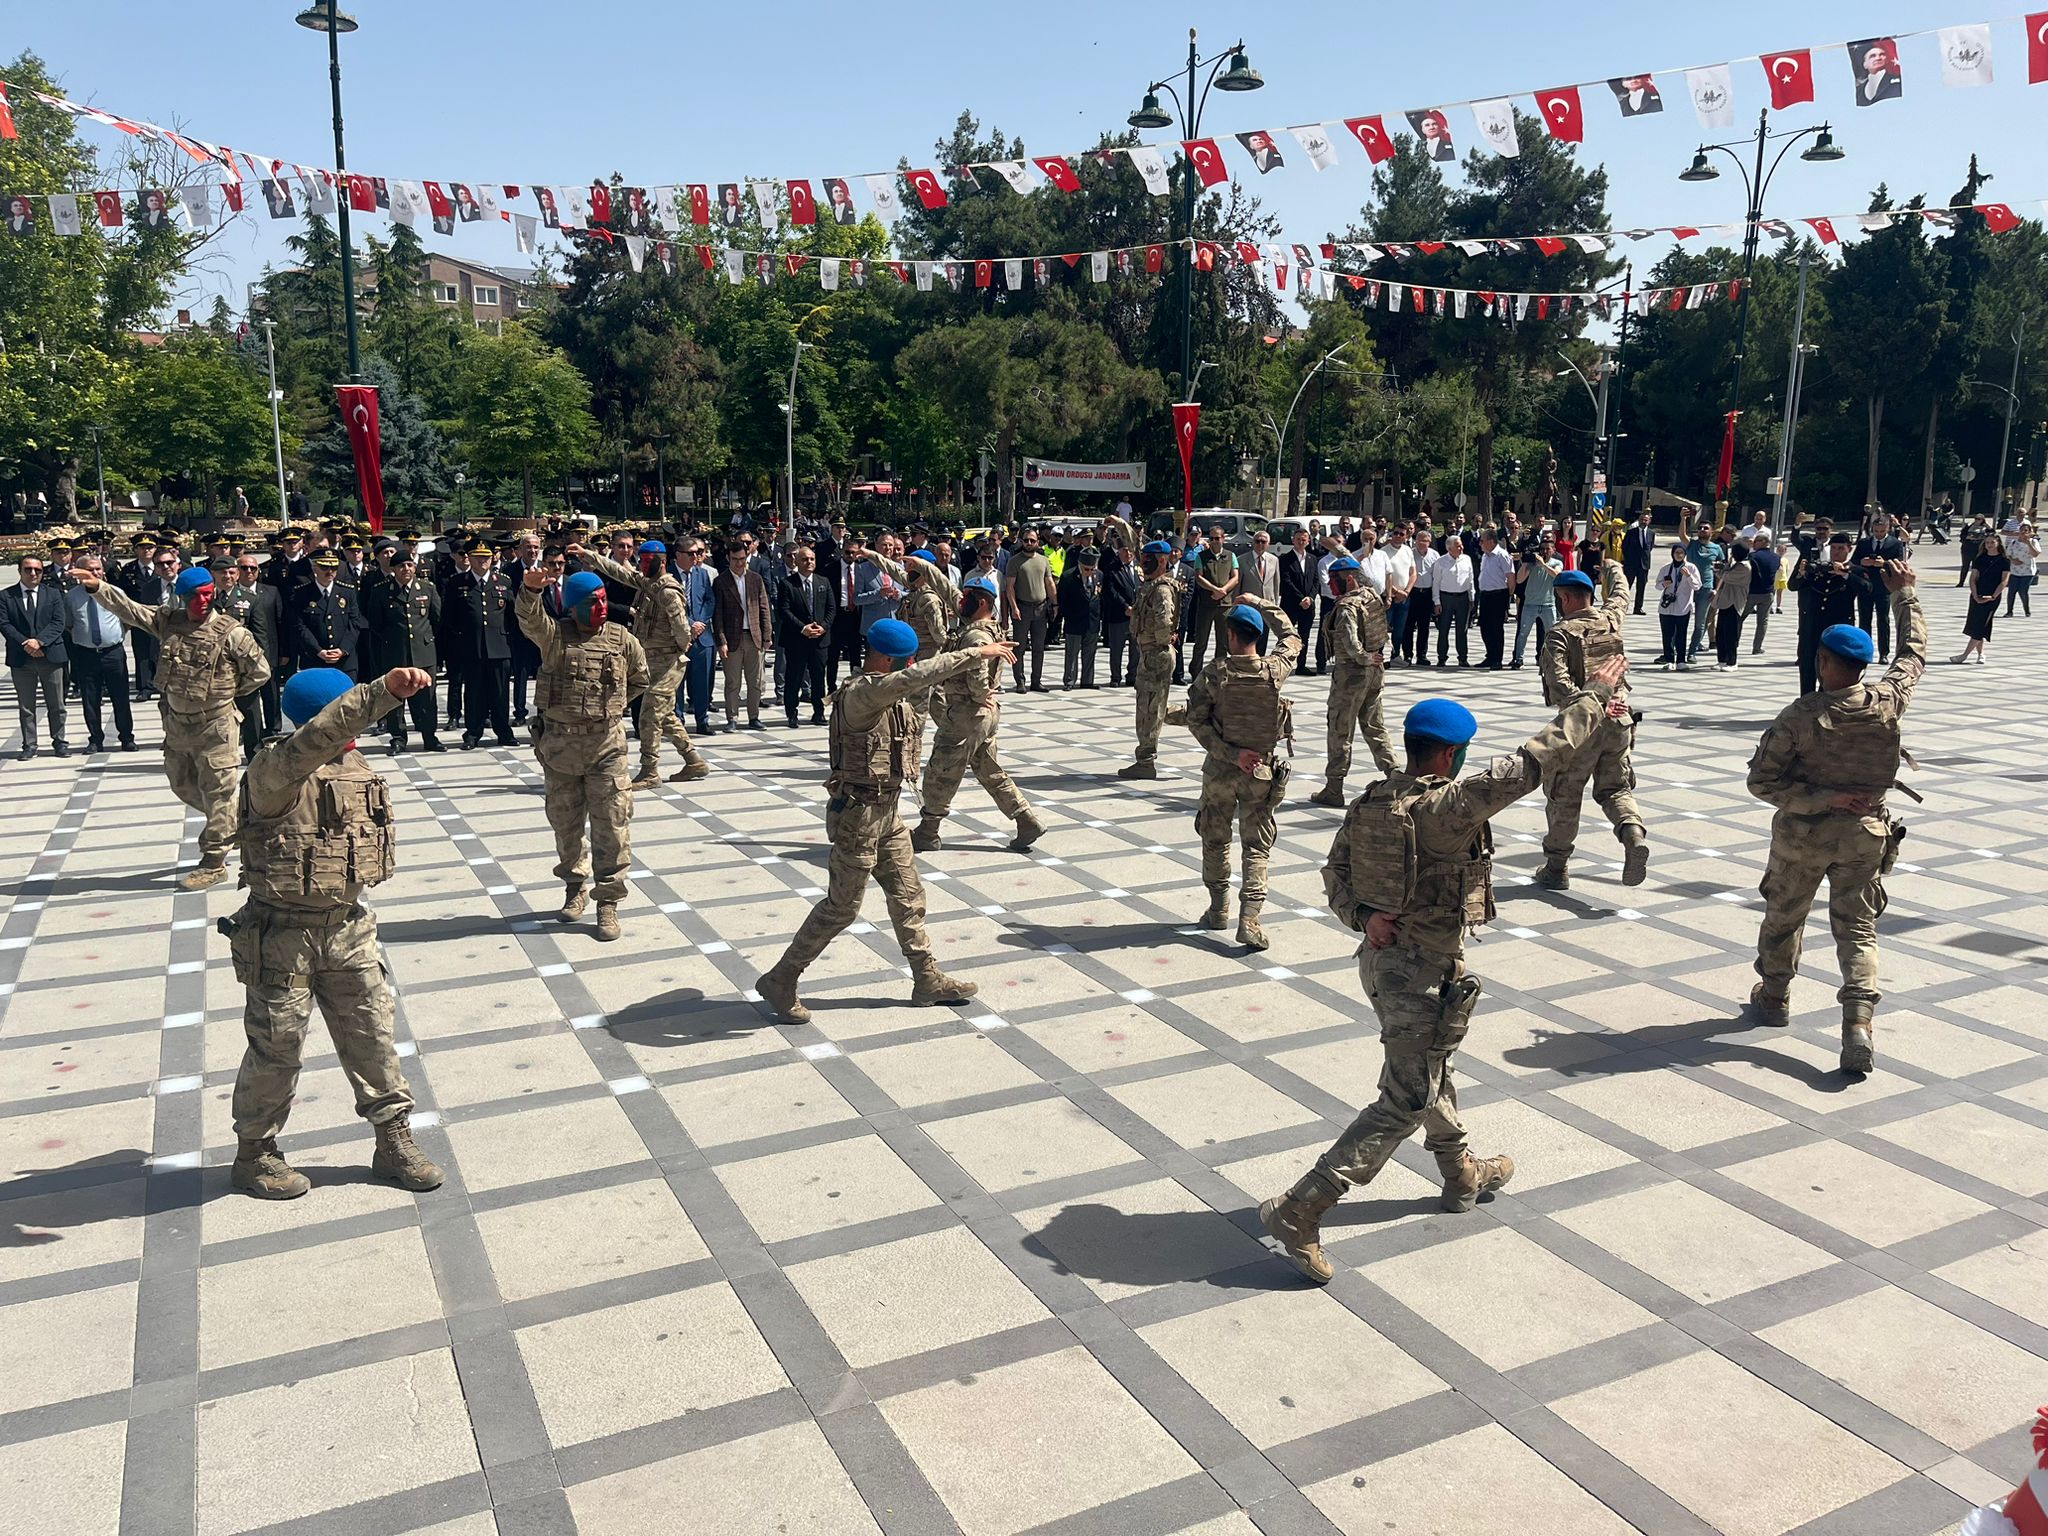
(874, 750)
(1826, 764)
(661, 623)
(1411, 870)
(1583, 637)
(207, 662)
(316, 832)
(1358, 642)
(964, 716)
(929, 605)
(1236, 711)
(589, 672)
(1155, 633)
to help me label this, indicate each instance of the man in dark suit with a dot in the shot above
(1298, 591)
(526, 556)
(1080, 605)
(258, 609)
(327, 618)
(843, 635)
(479, 644)
(743, 621)
(1639, 555)
(34, 619)
(805, 613)
(404, 613)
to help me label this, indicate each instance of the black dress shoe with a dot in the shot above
(469, 743)
(25, 754)
(128, 744)
(508, 741)
(95, 746)
(61, 750)
(432, 744)
(398, 745)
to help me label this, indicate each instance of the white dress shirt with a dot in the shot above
(1496, 570)
(1448, 577)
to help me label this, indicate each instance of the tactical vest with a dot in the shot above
(1389, 872)
(878, 759)
(925, 612)
(1250, 710)
(650, 620)
(956, 695)
(1860, 751)
(194, 671)
(1600, 640)
(584, 689)
(1368, 611)
(337, 836)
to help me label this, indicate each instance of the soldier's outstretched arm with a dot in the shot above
(609, 568)
(125, 608)
(1285, 639)
(534, 622)
(275, 774)
(1910, 624)
(927, 675)
(1479, 797)
(893, 569)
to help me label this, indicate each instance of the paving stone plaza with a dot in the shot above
(994, 1268)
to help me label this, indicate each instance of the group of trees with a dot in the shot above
(613, 367)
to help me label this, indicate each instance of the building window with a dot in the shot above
(485, 296)
(446, 293)
(520, 300)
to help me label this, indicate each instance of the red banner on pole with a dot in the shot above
(365, 441)
(1727, 471)
(1187, 418)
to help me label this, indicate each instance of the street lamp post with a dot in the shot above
(2012, 398)
(1823, 150)
(660, 441)
(276, 426)
(789, 438)
(323, 16)
(1240, 76)
(99, 464)
(460, 517)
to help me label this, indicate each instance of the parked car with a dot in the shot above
(1238, 527)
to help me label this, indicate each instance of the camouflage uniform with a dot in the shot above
(964, 714)
(1821, 745)
(202, 670)
(1154, 620)
(661, 623)
(929, 606)
(1236, 705)
(875, 743)
(586, 680)
(316, 831)
(1418, 985)
(1572, 647)
(1358, 640)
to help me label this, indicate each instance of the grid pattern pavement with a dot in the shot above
(995, 1268)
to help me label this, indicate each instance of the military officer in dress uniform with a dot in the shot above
(1582, 638)
(404, 614)
(328, 619)
(476, 614)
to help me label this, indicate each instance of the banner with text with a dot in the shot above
(1046, 475)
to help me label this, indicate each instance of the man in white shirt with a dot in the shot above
(1450, 581)
(1496, 588)
(1400, 585)
(1372, 562)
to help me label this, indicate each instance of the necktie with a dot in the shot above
(92, 620)
(849, 584)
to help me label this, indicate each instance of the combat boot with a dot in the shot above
(399, 1158)
(925, 837)
(1331, 794)
(1467, 1178)
(935, 986)
(1552, 876)
(1177, 714)
(574, 900)
(1029, 830)
(260, 1170)
(1217, 918)
(1771, 1009)
(1293, 1220)
(210, 871)
(607, 921)
(1143, 768)
(1249, 933)
(1859, 1053)
(695, 768)
(1635, 857)
(778, 990)
(650, 780)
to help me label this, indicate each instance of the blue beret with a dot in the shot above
(924, 554)
(581, 588)
(1250, 617)
(1344, 565)
(1158, 547)
(192, 579)
(1849, 643)
(979, 584)
(1573, 580)
(893, 638)
(653, 547)
(312, 689)
(1444, 720)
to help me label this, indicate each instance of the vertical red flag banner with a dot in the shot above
(1563, 114)
(6, 117)
(365, 441)
(2037, 47)
(803, 206)
(1206, 159)
(1187, 419)
(1726, 474)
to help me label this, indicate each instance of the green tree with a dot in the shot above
(524, 409)
(415, 334)
(189, 416)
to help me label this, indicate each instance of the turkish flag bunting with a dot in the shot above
(984, 273)
(1205, 257)
(362, 197)
(1550, 245)
(1072, 261)
(1371, 132)
(2037, 47)
(1825, 228)
(803, 207)
(1429, 247)
(1562, 114)
(1329, 251)
(1058, 171)
(1735, 290)
(359, 416)
(600, 203)
(1417, 299)
(705, 257)
(1155, 259)
(109, 206)
(1247, 252)
(1998, 217)
(437, 200)
(926, 185)
(700, 204)
(1187, 420)
(1206, 159)
(1356, 282)
(1791, 77)
(793, 262)
(231, 194)
(901, 269)
(6, 117)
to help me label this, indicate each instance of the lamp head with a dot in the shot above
(1824, 149)
(325, 18)
(1240, 76)
(1701, 169)
(1150, 114)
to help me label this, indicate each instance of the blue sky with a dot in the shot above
(528, 93)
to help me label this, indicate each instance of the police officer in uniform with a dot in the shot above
(590, 670)
(316, 831)
(874, 743)
(1826, 764)
(661, 623)
(1411, 870)
(207, 661)
(964, 712)
(1155, 633)
(1358, 641)
(1583, 637)
(404, 614)
(1236, 711)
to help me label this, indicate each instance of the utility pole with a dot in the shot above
(276, 426)
(2012, 395)
(1795, 374)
